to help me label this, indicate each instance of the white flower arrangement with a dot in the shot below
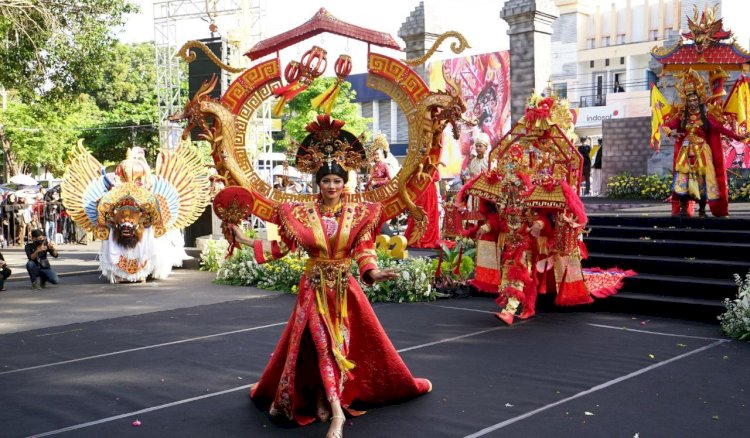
(212, 255)
(735, 322)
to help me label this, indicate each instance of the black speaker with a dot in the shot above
(201, 227)
(202, 69)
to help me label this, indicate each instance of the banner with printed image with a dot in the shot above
(485, 86)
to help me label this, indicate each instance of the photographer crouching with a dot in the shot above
(38, 265)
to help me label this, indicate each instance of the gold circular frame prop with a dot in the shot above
(390, 76)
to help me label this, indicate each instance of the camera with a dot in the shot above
(40, 242)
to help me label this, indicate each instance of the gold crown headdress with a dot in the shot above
(379, 143)
(691, 82)
(328, 144)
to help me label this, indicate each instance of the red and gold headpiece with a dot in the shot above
(691, 82)
(329, 145)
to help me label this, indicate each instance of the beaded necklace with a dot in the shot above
(330, 217)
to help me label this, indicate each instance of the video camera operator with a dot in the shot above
(38, 265)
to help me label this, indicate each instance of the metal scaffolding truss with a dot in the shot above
(168, 15)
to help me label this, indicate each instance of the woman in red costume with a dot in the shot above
(333, 344)
(428, 201)
(380, 173)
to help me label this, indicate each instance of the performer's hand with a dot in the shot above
(376, 275)
(536, 229)
(484, 229)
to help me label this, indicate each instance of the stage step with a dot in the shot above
(669, 233)
(710, 223)
(661, 305)
(685, 267)
(670, 248)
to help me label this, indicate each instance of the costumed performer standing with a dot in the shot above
(134, 215)
(427, 201)
(333, 345)
(699, 173)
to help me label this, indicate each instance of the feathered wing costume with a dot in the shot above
(132, 216)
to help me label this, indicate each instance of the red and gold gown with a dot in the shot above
(428, 201)
(698, 163)
(333, 340)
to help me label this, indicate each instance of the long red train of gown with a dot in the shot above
(291, 380)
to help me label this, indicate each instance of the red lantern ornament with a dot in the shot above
(327, 99)
(299, 76)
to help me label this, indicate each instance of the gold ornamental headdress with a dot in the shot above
(330, 146)
(691, 82)
(380, 143)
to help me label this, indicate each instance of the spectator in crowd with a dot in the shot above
(38, 265)
(10, 224)
(4, 272)
(23, 220)
(52, 215)
(585, 150)
(596, 170)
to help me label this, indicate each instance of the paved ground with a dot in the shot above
(87, 358)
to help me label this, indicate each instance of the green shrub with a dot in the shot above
(626, 186)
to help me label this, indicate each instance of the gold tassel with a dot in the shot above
(278, 109)
(327, 99)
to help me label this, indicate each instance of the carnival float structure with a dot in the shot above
(700, 62)
(224, 122)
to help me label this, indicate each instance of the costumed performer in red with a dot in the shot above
(333, 344)
(380, 173)
(488, 237)
(699, 173)
(428, 201)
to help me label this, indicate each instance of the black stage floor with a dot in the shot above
(186, 372)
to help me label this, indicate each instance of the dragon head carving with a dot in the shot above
(193, 112)
(452, 108)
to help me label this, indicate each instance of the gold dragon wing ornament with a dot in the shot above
(181, 187)
(84, 184)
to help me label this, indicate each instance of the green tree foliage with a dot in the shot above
(41, 133)
(302, 113)
(125, 91)
(56, 47)
(117, 110)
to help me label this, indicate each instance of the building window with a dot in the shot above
(605, 41)
(606, 62)
(560, 90)
(654, 34)
(621, 38)
(622, 60)
(590, 43)
(591, 64)
(668, 32)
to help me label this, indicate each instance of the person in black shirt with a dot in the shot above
(596, 171)
(4, 272)
(585, 151)
(38, 265)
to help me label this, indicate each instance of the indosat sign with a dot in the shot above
(591, 116)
